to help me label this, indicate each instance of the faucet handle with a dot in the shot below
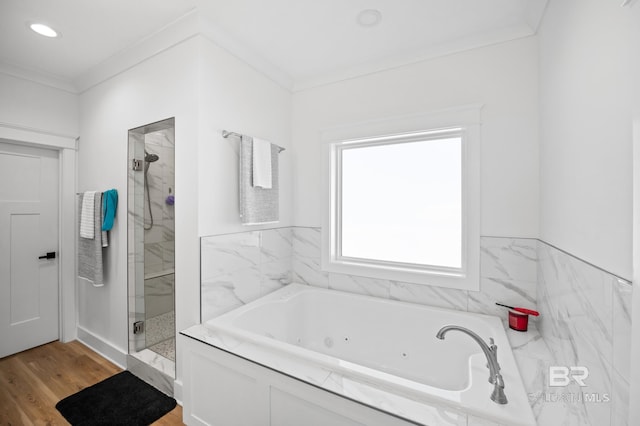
(494, 350)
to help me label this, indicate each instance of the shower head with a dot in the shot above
(150, 158)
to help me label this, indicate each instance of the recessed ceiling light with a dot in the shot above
(369, 17)
(44, 30)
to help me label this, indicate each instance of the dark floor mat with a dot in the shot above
(122, 399)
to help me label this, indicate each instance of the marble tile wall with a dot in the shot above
(159, 295)
(159, 241)
(507, 270)
(586, 321)
(238, 268)
(585, 312)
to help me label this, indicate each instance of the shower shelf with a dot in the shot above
(159, 274)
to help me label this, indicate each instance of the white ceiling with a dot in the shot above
(92, 31)
(309, 41)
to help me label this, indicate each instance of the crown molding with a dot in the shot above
(167, 37)
(245, 53)
(189, 25)
(193, 23)
(38, 77)
(403, 59)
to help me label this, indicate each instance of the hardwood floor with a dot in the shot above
(32, 382)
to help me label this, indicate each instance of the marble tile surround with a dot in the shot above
(585, 312)
(586, 321)
(508, 275)
(238, 268)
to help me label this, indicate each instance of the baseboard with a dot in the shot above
(177, 391)
(102, 347)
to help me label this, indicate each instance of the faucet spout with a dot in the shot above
(491, 353)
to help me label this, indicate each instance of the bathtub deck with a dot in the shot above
(528, 348)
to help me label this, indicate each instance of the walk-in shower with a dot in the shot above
(151, 247)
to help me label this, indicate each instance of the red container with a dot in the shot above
(518, 321)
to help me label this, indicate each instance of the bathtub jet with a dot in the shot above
(491, 352)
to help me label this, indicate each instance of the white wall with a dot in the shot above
(503, 77)
(237, 98)
(585, 139)
(26, 104)
(634, 48)
(206, 89)
(160, 87)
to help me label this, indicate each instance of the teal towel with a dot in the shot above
(109, 205)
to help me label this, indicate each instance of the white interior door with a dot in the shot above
(28, 231)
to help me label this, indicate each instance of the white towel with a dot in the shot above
(90, 262)
(87, 223)
(261, 164)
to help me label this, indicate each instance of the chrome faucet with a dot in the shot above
(491, 352)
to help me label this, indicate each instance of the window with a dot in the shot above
(404, 207)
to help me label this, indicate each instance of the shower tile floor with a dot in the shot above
(160, 335)
(166, 348)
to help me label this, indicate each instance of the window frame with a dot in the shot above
(463, 122)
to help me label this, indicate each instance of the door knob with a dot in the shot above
(49, 255)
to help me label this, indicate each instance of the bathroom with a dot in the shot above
(556, 177)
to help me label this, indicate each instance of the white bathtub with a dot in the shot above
(383, 344)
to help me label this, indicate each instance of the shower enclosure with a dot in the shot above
(151, 247)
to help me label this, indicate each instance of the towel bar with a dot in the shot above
(226, 134)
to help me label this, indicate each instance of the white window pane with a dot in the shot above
(402, 202)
